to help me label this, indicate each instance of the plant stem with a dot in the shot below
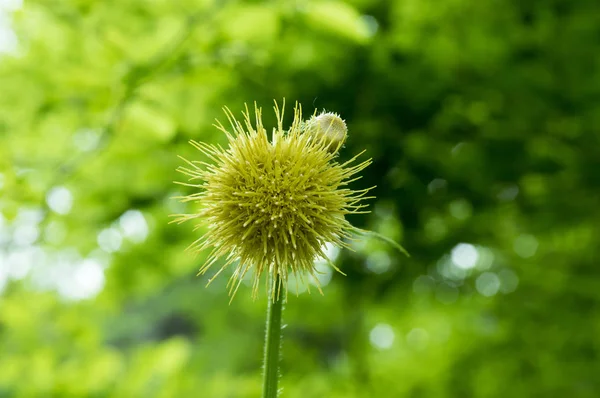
(272, 341)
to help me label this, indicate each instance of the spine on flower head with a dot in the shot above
(329, 127)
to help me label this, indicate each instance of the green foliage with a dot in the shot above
(481, 118)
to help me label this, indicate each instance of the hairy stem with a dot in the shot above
(272, 341)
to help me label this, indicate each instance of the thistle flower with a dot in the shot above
(270, 206)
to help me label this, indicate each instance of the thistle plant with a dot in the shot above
(270, 204)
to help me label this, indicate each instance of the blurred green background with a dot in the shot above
(483, 122)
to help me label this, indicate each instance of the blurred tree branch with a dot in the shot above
(137, 76)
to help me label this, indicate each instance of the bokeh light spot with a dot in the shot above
(8, 38)
(460, 209)
(86, 140)
(508, 280)
(418, 339)
(465, 256)
(423, 284)
(25, 234)
(20, 261)
(55, 232)
(371, 24)
(60, 200)
(382, 336)
(134, 226)
(487, 284)
(509, 193)
(110, 240)
(86, 280)
(3, 273)
(436, 185)
(525, 245)
(378, 262)
(486, 258)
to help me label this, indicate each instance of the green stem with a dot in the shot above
(272, 342)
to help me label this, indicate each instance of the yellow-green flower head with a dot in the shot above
(270, 205)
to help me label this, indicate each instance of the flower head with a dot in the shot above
(270, 205)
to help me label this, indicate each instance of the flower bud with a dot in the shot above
(329, 127)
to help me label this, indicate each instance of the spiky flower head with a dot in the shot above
(270, 205)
